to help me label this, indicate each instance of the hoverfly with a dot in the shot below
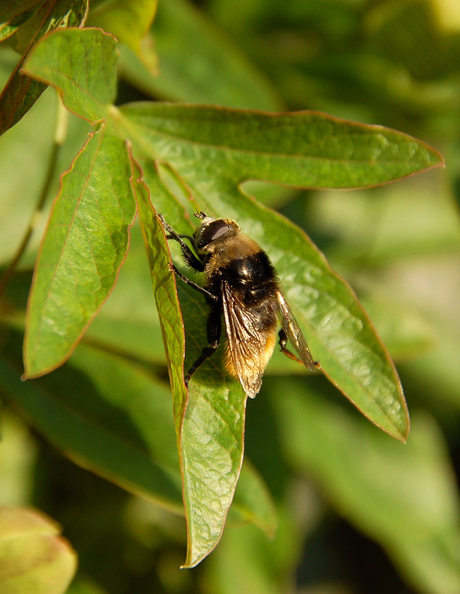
(241, 286)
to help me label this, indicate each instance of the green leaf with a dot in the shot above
(128, 322)
(210, 426)
(212, 453)
(198, 63)
(84, 247)
(214, 150)
(212, 436)
(21, 91)
(164, 289)
(33, 557)
(128, 20)
(81, 64)
(404, 497)
(306, 149)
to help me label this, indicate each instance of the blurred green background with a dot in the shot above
(358, 512)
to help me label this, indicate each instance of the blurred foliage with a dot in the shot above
(357, 512)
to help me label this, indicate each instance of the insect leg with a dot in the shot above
(190, 283)
(283, 339)
(214, 330)
(182, 236)
(283, 342)
(189, 256)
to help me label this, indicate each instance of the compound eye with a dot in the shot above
(218, 229)
(212, 232)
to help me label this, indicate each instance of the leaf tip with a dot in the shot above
(401, 430)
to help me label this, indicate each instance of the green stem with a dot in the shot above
(59, 137)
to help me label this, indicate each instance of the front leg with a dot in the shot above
(189, 256)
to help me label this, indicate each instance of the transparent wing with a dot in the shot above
(294, 333)
(245, 344)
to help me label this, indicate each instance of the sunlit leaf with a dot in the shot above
(304, 149)
(85, 244)
(299, 149)
(164, 290)
(210, 430)
(81, 64)
(128, 322)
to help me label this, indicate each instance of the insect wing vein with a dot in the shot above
(294, 333)
(244, 342)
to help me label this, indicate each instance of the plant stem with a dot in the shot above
(59, 137)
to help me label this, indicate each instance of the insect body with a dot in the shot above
(241, 287)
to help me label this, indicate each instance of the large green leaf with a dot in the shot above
(212, 451)
(88, 233)
(306, 149)
(85, 245)
(210, 426)
(227, 147)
